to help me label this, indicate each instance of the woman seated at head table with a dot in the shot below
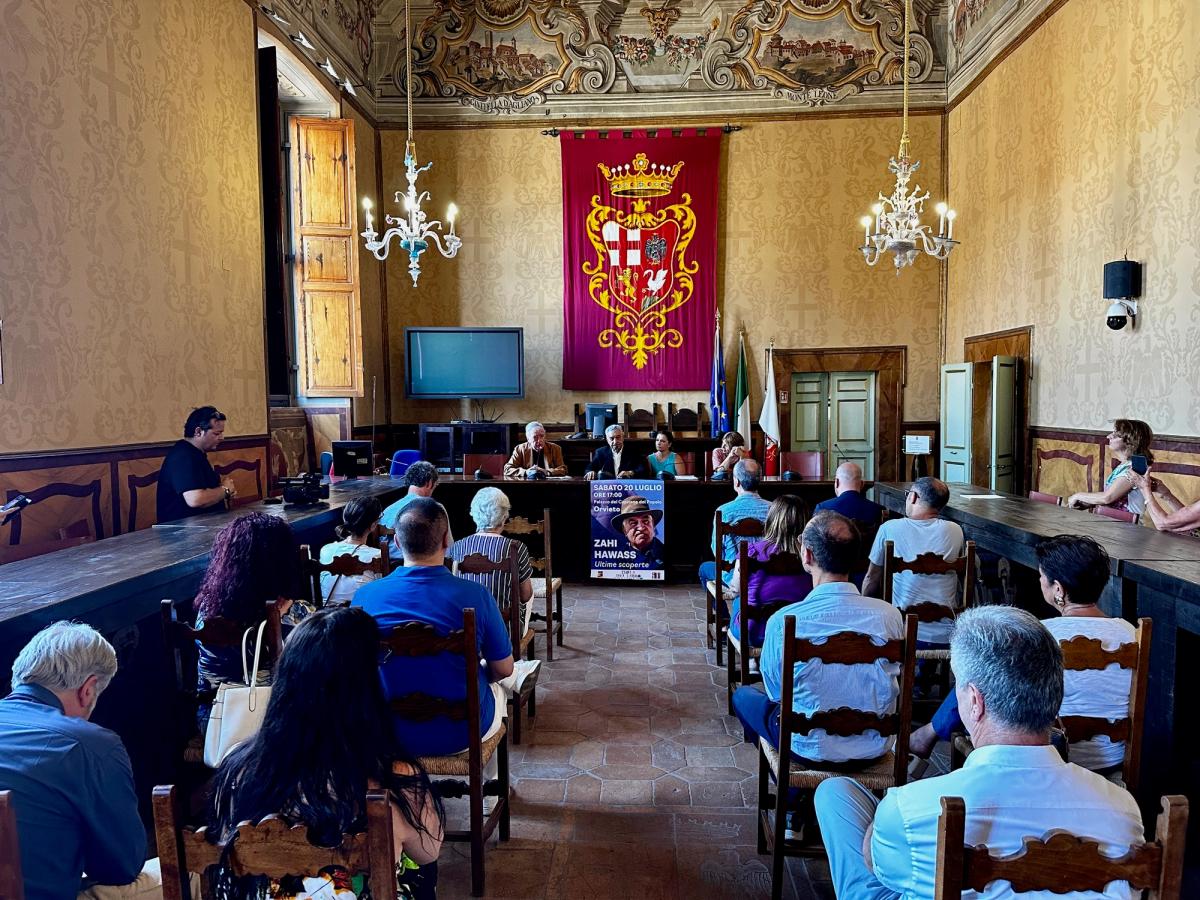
(725, 457)
(1073, 572)
(313, 763)
(663, 459)
(1166, 511)
(360, 524)
(1129, 437)
(253, 562)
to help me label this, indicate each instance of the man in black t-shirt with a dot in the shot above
(187, 484)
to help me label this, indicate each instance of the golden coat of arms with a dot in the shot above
(641, 273)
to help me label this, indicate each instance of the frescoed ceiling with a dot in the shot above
(548, 60)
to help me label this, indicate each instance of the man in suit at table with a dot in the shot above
(535, 455)
(613, 460)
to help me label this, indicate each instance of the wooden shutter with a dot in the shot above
(325, 242)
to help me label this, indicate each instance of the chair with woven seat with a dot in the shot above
(1115, 512)
(546, 587)
(273, 847)
(776, 763)
(477, 567)
(717, 598)
(461, 773)
(12, 884)
(344, 565)
(931, 564)
(780, 564)
(1061, 863)
(1042, 497)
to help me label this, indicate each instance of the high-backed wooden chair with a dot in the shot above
(685, 422)
(491, 463)
(12, 884)
(1042, 497)
(477, 567)
(1061, 863)
(741, 652)
(1115, 512)
(640, 421)
(273, 847)
(808, 464)
(343, 565)
(931, 564)
(546, 587)
(716, 603)
(776, 763)
(462, 773)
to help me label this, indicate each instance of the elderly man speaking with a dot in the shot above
(535, 455)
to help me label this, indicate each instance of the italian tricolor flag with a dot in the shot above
(741, 395)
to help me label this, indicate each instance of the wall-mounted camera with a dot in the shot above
(1122, 285)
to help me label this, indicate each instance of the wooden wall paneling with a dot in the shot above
(326, 424)
(62, 496)
(137, 488)
(248, 469)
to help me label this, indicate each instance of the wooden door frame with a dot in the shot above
(890, 365)
(1016, 342)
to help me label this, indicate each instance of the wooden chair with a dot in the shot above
(716, 613)
(343, 565)
(640, 420)
(1041, 497)
(477, 567)
(12, 884)
(1062, 863)
(931, 564)
(808, 464)
(546, 587)
(1114, 512)
(491, 463)
(685, 422)
(780, 564)
(417, 639)
(272, 847)
(776, 763)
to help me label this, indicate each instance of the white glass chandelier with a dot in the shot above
(897, 219)
(414, 231)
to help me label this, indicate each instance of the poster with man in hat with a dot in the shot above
(627, 530)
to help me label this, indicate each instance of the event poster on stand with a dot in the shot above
(627, 530)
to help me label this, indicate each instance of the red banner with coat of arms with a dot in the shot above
(639, 259)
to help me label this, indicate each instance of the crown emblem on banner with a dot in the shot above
(642, 179)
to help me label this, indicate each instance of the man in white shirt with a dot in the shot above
(1015, 785)
(829, 550)
(920, 531)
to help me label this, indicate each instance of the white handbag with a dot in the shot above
(238, 710)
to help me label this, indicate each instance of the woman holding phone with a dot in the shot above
(1166, 511)
(1129, 438)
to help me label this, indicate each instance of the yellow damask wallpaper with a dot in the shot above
(130, 236)
(792, 195)
(1081, 146)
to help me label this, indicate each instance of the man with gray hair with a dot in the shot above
(746, 505)
(922, 530)
(71, 780)
(535, 455)
(1015, 785)
(422, 479)
(613, 461)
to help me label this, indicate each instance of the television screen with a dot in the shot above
(441, 363)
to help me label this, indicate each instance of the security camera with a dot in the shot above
(1120, 312)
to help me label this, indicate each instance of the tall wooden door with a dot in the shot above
(956, 422)
(325, 245)
(851, 422)
(1006, 372)
(810, 411)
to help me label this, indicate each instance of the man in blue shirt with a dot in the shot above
(424, 590)
(746, 505)
(71, 781)
(851, 502)
(421, 478)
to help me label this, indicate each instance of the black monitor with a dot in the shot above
(352, 458)
(599, 416)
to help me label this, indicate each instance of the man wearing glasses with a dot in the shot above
(187, 483)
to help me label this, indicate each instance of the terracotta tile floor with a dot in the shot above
(632, 782)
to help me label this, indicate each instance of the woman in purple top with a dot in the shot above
(784, 527)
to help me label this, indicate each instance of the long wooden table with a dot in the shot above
(1151, 574)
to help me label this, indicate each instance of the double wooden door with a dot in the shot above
(978, 423)
(834, 413)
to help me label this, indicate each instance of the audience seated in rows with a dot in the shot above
(252, 564)
(360, 524)
(851, 502)
(663, 459)
(613, 460)
(421, 478)
(729, 454)
(1073, 574)
(829, 550)
(920, 531)
(71, 780)
(746, 505)
(327, 738)
(1129, 437)
(424, 590)
(490, 509)
(783, 534)
(1015, 784)
(535, 455)
(1166, 511)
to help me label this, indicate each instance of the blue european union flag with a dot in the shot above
(718, 398)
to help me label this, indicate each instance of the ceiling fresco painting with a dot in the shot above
(547, 60)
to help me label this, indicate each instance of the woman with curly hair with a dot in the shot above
(1129, 437)
(325, 741)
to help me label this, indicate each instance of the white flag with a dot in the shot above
(768, 419)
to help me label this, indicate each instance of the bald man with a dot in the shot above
(850, 501)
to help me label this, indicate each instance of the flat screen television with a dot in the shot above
(447, 363)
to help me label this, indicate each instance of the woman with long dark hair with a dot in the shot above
(327, 738)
